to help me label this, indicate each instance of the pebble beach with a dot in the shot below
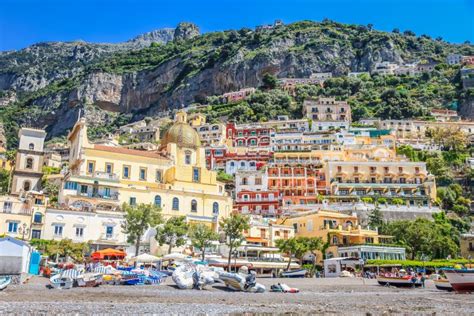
(345, 296)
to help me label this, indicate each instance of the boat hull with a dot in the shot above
(461, 280)
(4, 282)
(443, 285)
(398, 282)
(294, 274)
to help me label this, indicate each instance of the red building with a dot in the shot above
(251, 135)
(263, 203)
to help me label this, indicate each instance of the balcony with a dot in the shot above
(105, 176)
(111, 197)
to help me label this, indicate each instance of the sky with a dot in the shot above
(25, 22)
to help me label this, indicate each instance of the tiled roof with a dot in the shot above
(133, 152)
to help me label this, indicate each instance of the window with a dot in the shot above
(58, 230)
(339, 169)
(158, 200)
(232, 164)
(90, 167)
(142, 175)
(36, 234)
(7, 207)
(107, 192)
(335, 240)
(29, 163)
(26, 186)
(12, 227)
(215, 208)
(159, 176)
(38, 218)
(175, 204)
(356, 169)
(187, 158)
(133, 201)
(84, 189)
(258, 181)
(109, 168)
(242, 164)
(126, 172)
(196, 177)
(109, 231)
(31, 146)
(194, 206)
(79, 231)
(70, 185)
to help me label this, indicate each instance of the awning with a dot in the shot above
(256, 239)
(108, 254)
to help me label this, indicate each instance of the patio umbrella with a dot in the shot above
(108, 253)
(175, 256)
(145, 258)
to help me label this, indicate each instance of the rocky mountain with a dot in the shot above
(166, 69)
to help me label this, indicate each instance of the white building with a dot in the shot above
(385, 68)
(101, 228)
(29, 161)
(355, 74)
(454, 59)
(251, 180)
(232, 166)
(14, 256)
(329, 125)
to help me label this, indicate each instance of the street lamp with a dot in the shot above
(24, 230)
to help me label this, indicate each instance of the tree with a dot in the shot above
(137, 220)
(173, 232)
(201, 237)
(269, 81)
(376, 218)
(285, 246)
(314, 244)
(233, 227)
(295, 246)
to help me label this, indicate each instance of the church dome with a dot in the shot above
(183, 135)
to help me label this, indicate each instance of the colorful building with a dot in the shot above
(248, 135)
(174, 178)
(327, 110)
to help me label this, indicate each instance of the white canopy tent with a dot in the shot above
(145, 258)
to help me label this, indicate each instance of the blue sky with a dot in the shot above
(24, 22)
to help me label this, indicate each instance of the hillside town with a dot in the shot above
(320, 176)
(354, 180)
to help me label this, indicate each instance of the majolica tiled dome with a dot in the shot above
(183, 135)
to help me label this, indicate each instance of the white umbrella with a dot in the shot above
(145, 258)
(175, 256)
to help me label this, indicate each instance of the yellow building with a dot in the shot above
(265, 233)
(22, 217)
(341, 229)
(174, 177)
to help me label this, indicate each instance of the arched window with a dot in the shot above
(158, 200)
(242, 164)
(175, 204)
(335, 240)
(215, 208)
(38, 218)
(187, 158)
(29, 163)
(26, 186)
(194, 206)
(31, 146)
(232, 164)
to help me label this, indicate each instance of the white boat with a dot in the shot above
(61, 282)
(462, 280)
(89, 280)
(443, 284)
(237, 281)
(405, 281)
(4, 282)
(294, 273)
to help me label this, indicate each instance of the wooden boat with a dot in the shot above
(61, 282)
(89, 280)
(405, 281)
(462, 280)
(443, 284)
(301, 273)
(4, 282)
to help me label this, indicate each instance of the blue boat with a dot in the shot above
(294, 273)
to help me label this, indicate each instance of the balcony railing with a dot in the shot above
(105, 175)
(113, 197)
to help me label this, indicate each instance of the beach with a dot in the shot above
(317, 296)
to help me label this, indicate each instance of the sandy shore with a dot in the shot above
(317, 296)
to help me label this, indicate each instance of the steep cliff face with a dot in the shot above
(59, 79)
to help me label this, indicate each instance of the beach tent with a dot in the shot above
(108, 254)
(145, 258)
